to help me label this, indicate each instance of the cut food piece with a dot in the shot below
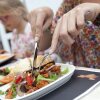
(40, 59)
(7, 79)
(41, 84)
(4, 71)
(11, 92)
(3, 57)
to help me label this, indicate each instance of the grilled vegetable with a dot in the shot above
(29, 79)
(52, 78)
(11, 92)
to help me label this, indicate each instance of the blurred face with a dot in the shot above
(10, 21)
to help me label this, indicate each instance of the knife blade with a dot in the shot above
(35, 53)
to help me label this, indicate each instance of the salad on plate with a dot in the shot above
(23, 80)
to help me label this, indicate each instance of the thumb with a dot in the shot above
(55, 38)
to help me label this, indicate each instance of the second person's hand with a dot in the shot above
(69, 24)
(40, 19)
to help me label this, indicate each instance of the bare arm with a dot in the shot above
(40, 20)
(69, 25)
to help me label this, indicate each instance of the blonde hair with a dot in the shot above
(14, 7)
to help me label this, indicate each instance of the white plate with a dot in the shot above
(46, 89)
(5, 57)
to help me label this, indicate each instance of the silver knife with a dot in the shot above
(35, 53)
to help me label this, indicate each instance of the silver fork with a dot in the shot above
(45, 57)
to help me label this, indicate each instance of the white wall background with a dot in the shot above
(54, 4)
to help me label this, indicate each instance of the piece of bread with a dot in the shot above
(24, 64)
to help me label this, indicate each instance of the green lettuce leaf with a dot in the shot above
(52, 78)
(1, 83)
(65, 70)
(7, 70)
(1, 77)
(1, 92)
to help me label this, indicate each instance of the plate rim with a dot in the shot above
(9, 57)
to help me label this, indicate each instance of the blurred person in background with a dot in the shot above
(13, 15)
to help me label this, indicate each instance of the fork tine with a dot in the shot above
(30, 62)
(44, 59)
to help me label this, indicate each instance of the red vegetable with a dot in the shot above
(18, 79)
(29, 79)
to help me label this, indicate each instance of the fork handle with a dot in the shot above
(37, 39)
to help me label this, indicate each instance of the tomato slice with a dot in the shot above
(7, 79)
(18, 79)
(29, 79)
